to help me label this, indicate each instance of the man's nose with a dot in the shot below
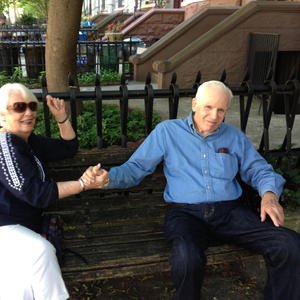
(214, 114)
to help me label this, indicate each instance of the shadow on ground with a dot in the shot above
(243, 280)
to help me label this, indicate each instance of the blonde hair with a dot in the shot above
(213, 84)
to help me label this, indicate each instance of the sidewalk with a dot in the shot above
(255, 123)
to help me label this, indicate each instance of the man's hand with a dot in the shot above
(95, 177)
(270, 206)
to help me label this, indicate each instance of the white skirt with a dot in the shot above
(28, 266)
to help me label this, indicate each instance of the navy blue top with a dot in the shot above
(24, 189)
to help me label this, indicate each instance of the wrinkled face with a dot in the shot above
(19, 123)
(210, 110)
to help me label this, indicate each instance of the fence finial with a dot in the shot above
(174, 78)
(223, 77)
(148, 78)
(71, 79)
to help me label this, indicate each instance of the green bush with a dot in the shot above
(111, 128)
(105, 76)
(27, 19)
(83, 78)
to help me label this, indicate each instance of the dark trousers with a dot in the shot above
(189, 228)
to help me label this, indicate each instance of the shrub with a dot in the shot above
(111, 128)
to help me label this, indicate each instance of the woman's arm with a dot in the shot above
(58, 110)
(68, 188)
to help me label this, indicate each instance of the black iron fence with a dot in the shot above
(25, 49)
(37, 33)
(290, 93)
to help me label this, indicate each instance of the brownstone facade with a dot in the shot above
(225, 45)
(154, 24)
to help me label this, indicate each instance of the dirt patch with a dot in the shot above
(235, 281)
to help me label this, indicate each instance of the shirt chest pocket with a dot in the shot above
(223, 166)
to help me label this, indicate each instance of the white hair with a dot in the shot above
(213, 84)
(6, 90)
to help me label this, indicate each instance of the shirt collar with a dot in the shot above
(194, 130)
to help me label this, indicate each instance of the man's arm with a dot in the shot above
(142, 163)
(257, 172)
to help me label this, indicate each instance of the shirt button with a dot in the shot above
(204, 155)
(205, 172)
(208, 187)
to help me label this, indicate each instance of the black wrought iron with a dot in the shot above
(244, 111)
(92, 56)
(270, 89)
(72, 97)
(174, 98)
(148, 103)
(98, 111)
(45, 106)
(123, 111)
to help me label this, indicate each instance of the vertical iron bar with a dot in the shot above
(267, 111)
(124, 111)
(73, 102)
(45, 107)
(98, 111)
(174, 99)
(148, 103)
(244, 112)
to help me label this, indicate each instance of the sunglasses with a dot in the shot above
(20, 107)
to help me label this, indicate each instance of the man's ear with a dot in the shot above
(194, 104)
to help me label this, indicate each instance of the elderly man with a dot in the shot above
(202, 156)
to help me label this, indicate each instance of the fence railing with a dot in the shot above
(29, 54)
(270, 93)
(37, 33)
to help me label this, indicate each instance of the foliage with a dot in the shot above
(37, 8)
(160, 3)
(114, 27)
(291, 191)
(109, 76)
(4, 5)
(83, 78)
(105, 76)
(27, 19)
(111, 128)
(4, 78)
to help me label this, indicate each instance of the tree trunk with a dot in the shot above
(62, 37)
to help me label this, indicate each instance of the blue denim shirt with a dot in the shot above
(194, 169)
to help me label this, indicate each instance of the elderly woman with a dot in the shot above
(28, 265)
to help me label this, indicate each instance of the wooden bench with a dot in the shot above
(120, 232)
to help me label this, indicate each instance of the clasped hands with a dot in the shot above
(95, 177)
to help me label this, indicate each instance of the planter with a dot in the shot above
(114, 36)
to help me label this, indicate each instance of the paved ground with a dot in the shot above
(236, 281)
(255, 123)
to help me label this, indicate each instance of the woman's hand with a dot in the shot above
(95, 177)
(57, 108)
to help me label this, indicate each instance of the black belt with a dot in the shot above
(175, 204)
